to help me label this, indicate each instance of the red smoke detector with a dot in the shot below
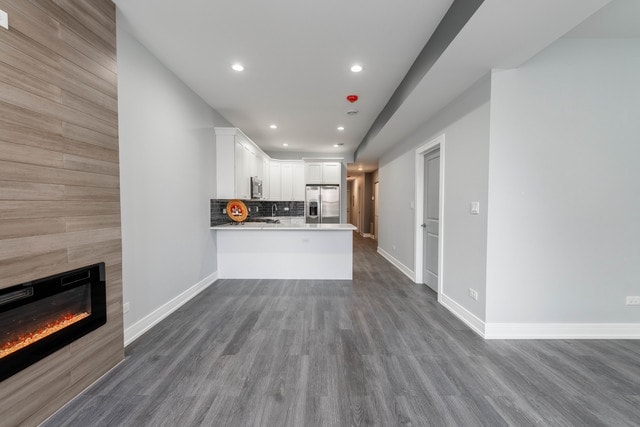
(352, 98)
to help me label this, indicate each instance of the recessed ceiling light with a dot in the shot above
(356, 68)
(285, 145)
(340, 127)
(336, 145)
(237, 67)
(273, 126)
(360, 168)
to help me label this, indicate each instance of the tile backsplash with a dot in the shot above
(257, 209)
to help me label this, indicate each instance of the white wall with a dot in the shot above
(166, 170)
(564, 192)
(397, 194)
(465, 123)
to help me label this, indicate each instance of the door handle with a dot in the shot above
(423, 225)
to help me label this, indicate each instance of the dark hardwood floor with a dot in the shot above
(376, 350)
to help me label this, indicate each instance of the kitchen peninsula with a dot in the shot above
(285, 251)
(271, 239)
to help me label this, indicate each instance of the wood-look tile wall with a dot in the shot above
(59, 180)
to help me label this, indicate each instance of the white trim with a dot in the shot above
(471, 320)
(562, 331)
(136, 330)
(397, 264)
(438, 142)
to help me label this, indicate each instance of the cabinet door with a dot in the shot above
(265, 178)
(313, 173)
(287, 180)
(252, 170)
(331, 173)
(275, 192)
(241, 175)
(298, 181)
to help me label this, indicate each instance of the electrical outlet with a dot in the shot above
(394, 247)
(4, 19)
(224, 211)
(633, 300)
(473, 294)
(126, 307)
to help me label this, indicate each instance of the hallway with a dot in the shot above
(376, 350)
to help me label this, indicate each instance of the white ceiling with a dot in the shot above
(618, 19)
(297, 55)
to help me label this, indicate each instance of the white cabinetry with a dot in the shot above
(266, 191)
(242, 171)
(286, 180)
(237, 160)
(275, 190)
(298, 181)
(322, 172)
(313, 173)
(331, 173)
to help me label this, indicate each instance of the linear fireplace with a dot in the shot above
(40, 317)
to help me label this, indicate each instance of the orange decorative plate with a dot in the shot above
(237, 210)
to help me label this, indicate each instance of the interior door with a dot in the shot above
(431, 219)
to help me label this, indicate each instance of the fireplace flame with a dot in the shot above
(30, 337)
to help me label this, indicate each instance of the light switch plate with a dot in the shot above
(474, 208)
(4, 19)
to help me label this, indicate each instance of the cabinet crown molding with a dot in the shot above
(229, 131)
(323, 159)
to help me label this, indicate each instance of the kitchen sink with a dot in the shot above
(265, 220)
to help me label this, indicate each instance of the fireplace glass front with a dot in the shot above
(38, 318)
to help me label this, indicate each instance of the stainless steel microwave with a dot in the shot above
(256, 188)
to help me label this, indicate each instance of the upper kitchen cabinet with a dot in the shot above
(237, 160)
(275, 178)
(298, 181)
(313, 173)
(322, 172)
(286, 180)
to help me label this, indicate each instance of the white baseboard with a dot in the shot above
(562, 331)
(397, 264)
(540, 331)
(136, 330)
(476, 324)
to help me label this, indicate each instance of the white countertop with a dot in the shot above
(267, 226)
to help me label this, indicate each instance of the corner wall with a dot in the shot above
(465, 123)
(564, 185)
(167, 146)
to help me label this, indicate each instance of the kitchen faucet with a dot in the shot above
(274, 209)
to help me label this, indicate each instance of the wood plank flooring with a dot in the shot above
(376, 350)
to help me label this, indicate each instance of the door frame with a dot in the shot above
(421, 152)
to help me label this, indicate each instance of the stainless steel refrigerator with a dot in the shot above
(322, 204)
